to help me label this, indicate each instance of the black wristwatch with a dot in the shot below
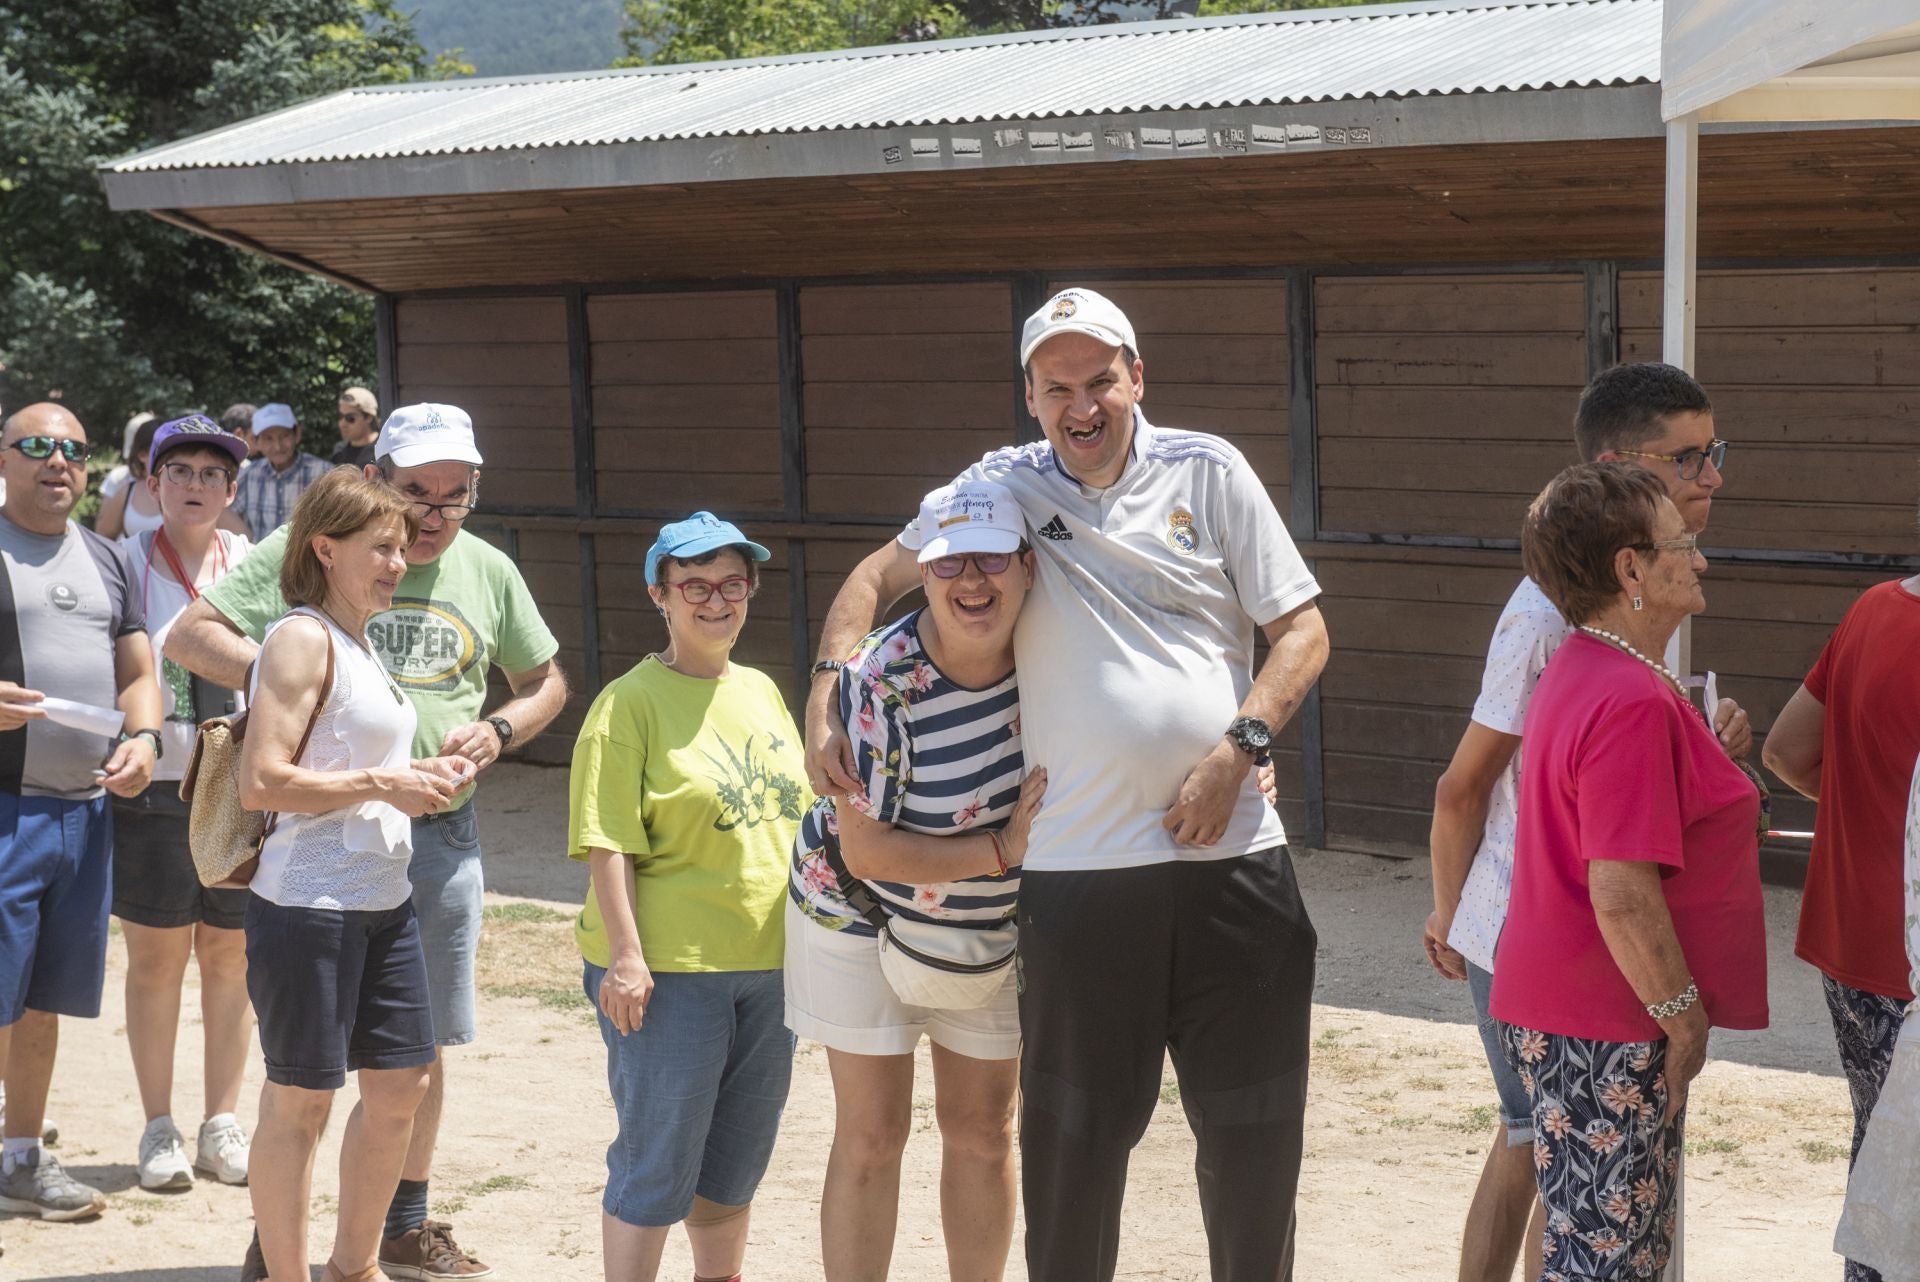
(1251, 735)
(503, 728)
(152, 737)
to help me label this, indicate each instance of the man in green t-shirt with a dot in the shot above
(461, 608)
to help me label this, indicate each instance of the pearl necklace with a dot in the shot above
(1621, 643)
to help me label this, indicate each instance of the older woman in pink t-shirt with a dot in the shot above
(1636, 919)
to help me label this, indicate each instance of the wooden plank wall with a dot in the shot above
(1444, 404)
(817, 414)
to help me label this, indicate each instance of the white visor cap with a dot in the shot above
(1078, 311)
(969, 516)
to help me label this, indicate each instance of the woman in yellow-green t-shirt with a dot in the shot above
(687, 788)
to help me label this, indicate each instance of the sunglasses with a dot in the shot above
(42, 447)
(988, 563)
(700, 591)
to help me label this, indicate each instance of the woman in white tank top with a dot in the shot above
(334, 965)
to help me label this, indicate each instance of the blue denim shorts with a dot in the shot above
(56, 885)
(699, 1089)
(1516, 1110)
(448, 898)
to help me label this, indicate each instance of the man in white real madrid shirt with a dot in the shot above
(1158, 909)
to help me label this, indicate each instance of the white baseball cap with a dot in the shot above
(1077, 311)
(970, 516)
(427, 433)
(273, 414)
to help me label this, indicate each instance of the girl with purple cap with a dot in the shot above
(165, 913)
(686, 792)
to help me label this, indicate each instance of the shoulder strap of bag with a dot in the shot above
(856, 892)
(313, 719)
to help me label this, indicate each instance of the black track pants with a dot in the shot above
(1211, 960)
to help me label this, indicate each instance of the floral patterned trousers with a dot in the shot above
(1604, 1159)
(1866, 1025)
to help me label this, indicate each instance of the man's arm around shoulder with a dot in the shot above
(888, 574)
(206, 643)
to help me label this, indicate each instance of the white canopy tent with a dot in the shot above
(1769, 61)
(1761, 61)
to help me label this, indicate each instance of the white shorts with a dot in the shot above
(837, 996)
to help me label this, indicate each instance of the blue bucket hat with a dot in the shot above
(702, 532)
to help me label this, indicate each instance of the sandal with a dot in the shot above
(372, 1272)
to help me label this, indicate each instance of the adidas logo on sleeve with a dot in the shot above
(1056, 529)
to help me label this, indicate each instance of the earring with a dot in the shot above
(1638, 604)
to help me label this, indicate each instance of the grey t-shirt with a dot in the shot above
(64, 600)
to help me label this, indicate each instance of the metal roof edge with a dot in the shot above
(1318, 128)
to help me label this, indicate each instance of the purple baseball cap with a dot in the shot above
(195, 429)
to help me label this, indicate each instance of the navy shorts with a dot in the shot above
(56, 883)
(154, 882)
(337, 991)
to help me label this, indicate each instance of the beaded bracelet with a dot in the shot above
(1676, 1005)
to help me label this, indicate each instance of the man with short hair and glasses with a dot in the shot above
(461, 609)
(1658, 417)
(71, 628)
(359, 428)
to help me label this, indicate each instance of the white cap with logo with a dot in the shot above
(427, 433)
(969, 516)
(1077, 311)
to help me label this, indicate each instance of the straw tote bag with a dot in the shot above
(224, 836)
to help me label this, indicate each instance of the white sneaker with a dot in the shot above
(49, 1129)
(163, 1157)
(221, 1149)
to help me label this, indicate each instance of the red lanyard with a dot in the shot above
(165, 547)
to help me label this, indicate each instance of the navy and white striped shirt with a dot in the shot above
(933, 757)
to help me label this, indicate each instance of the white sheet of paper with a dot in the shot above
(84, 716)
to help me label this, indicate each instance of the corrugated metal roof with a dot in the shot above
(1404, 50)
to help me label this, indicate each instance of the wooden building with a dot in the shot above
(1381, 250)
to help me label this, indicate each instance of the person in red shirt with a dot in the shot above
(1636, 920)
(1847, 739)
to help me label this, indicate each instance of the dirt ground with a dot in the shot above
(1400, 1115)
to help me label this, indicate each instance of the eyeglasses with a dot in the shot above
(42, 447)
(186, 474)
(1689, 544)
(349, 416)
(988, 563)
(1690, 463)
(700, 591)
(447, 511)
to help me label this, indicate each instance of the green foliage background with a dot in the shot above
(658, 32)
(116, 313)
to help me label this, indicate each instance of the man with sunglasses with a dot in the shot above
(71, 628)
(461, 609)
(1158, 907)
(359, 428)
(1660, 418)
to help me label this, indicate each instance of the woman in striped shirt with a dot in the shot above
(935, 836)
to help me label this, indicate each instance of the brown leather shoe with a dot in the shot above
(429, 1254)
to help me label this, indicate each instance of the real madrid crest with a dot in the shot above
(1064, 309)
(1180, 535)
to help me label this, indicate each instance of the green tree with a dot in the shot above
(673, 31)
(659, 32)
(113, 313)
